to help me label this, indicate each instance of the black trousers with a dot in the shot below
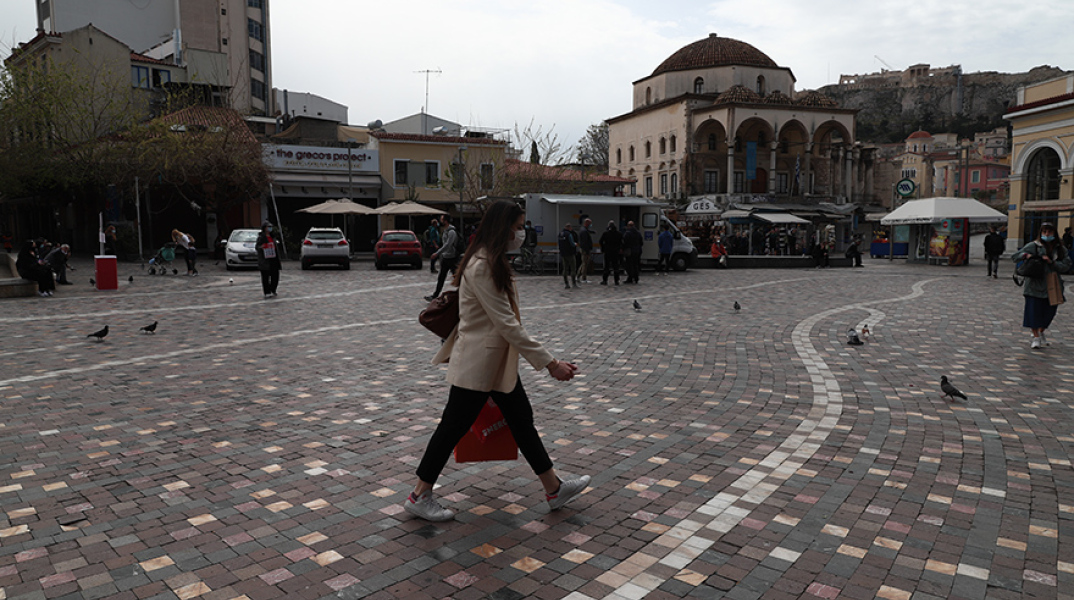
(633, 266)
(611, 265)
(446, 264)
(993, 264)
(461, 411)
(270, 280)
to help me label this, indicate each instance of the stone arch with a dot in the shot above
(755, 129)
(1020, 165)
(1042, 173)
(710, 136)
(793, 138)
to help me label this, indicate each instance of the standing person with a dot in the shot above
(432, 243)
(57, 261)
(448, 255)
(585, 246)
(483, 352)
(632, 242)
(1068, 239)
(1039, 308)
(30, 267)
(666, 243)
(568, 251)
(993, 248)
(268, 260)
(186, 242)
(611, 246)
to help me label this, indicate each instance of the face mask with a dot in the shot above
(1047, 238)
(516, 242)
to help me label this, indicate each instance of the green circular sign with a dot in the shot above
(905, 187)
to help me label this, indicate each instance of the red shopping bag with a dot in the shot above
(489, 438)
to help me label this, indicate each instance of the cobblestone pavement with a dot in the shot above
(261, 449)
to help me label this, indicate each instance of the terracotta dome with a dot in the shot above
(778, 97)
(715, 51)
(816, 99)
(739, 94)
(920, 133)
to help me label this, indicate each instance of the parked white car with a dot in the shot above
(241, 250)
(325, 245)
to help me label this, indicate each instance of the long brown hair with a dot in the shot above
(495, 230)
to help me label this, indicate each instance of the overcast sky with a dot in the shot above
(566, 64)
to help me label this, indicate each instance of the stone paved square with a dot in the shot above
(261, 449)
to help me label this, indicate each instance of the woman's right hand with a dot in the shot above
(562, 370)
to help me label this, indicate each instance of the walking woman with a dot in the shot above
(483, 352)
(268, 260)
(1044, 294)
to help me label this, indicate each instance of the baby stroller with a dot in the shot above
(162, 261)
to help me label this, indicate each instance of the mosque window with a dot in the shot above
(712, 141)
(699, 86)
(632, 154)
(760, 85)
(648, 95)
(648, 149)
(618, 155)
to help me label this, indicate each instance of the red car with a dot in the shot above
(398, 248)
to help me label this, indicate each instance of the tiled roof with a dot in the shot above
(1039, 103)
(210, 116)
(440, 139)
(778, 97)
(529, 170)
(816, 99)
(146, 59)
(715, 51)
(920, 133)
(739, 94)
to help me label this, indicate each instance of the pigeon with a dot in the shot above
(92, 281)
(175, 271)
(949, 391)
(130, 279)
(636, 305)
(852, 338)
(151, 328)
(864, 331)
(231, 280)
(738, 306)
(99, 334)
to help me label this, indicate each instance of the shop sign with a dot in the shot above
(905, 187)
(320, 158)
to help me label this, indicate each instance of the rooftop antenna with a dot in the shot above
(425, 109)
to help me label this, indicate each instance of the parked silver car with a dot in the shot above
(241, 251)
(325, 245)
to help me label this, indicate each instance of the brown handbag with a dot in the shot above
(442, 315)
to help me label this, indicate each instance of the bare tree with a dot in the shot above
(549, 150)
(593, 147)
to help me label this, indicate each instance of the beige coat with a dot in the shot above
(485, 346)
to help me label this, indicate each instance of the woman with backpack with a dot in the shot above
(1042, 286)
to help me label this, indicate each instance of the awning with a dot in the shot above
(1048, 206)
(735, 214)
(779, 218)
(932, 210)
(322, 180)
(598, 200)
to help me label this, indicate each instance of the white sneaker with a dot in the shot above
(1044, 340)
(426, 507)
(1035, 344)
(567, 490)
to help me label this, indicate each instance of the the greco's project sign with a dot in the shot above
(320, 158)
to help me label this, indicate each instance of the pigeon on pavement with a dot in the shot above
(949, 391)
(738, 306)
(852, 338)
(99, 334)
(636, 305)
(130, 279)
(151, 328)
(865, 331)
(92, 281)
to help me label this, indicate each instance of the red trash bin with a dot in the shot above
(106, 272)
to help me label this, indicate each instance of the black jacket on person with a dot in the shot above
(568, 244)
(585, 240)
(611, 241)
(632, 241)
(267, 263)
(994, 244)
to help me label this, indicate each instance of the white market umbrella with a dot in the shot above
(931, 210)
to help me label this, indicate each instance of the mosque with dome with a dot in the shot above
(721, 119)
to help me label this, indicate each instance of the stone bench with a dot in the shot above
(738, 261)
(11, 285)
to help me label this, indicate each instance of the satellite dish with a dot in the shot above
(376, 124)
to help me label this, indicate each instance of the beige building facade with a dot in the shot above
(1042, 159)
(720, 118)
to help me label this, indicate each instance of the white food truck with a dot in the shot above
(550, 212)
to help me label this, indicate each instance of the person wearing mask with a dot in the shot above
(585, 250)
(632, 242)
(1043, 294)
(57, 261)
(268, 260)
(568, 252)
(993, 248)
(611, 246)
(432, 243)
(482, 356)
(448, 255)
(666, 243)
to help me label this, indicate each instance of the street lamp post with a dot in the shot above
(461, 182)
(350, 181)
